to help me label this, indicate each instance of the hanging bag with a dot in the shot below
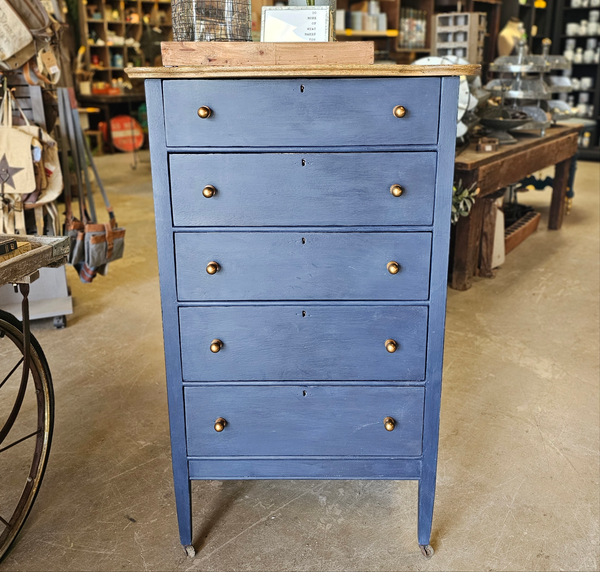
(27, 35)
(93, 245)
(17, 177)
(16, 41)
(48, 178)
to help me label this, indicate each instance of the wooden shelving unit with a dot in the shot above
(157, 12)
(563, 15)
(492, 8)
(538, 20)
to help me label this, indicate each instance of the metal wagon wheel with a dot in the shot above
(26, 423)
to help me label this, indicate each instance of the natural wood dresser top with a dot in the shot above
(374, 70)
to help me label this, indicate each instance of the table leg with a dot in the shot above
(559, 192)
(467, 247)
(488, 234)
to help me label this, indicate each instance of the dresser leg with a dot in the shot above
(183, 499)
(426, 498)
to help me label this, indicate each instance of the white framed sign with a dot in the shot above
(295, 24)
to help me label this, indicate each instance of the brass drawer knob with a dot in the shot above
(205, 112)
(399, 111)
(393, 267)
(389, 423)
(220, 424)
(215, 346)
(209, 191)
(390, 345)
(396, 190)
(213, 267)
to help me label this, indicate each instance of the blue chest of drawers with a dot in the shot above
(303, 231)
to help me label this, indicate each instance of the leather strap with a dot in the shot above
(110, 243)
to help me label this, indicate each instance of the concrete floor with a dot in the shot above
(518, 466)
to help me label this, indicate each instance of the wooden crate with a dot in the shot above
(517, 232)
(459, 34)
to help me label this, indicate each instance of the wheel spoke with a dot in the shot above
(4, 522)
(11, 372)
(19, 441)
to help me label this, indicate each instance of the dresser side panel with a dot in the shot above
(438, 291)
(166, 265)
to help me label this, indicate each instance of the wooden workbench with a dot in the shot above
(496, 170)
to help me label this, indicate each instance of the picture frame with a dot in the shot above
(296, 24)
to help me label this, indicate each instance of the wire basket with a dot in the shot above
(212, 20)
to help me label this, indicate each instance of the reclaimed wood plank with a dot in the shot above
(383, 70)
(46, 251)
(263, 53)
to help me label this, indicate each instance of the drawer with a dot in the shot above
(301, 112)
(308, 189)
(303, 266)
(296, 421)
(303, 342)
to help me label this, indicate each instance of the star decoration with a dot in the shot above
(7, 172)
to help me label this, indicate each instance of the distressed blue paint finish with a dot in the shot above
(302, 266)
(304, 420)
(353, 149)
(166, 264)
(256, 113)
(293, 343)
(437, 317)
(364, 468)
(289, 189)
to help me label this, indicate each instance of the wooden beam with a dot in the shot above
(266, 53)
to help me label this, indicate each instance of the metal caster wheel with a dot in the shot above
(427, 550)
(190, 551)
(60, 322)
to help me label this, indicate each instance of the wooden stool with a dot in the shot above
(99, 140)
